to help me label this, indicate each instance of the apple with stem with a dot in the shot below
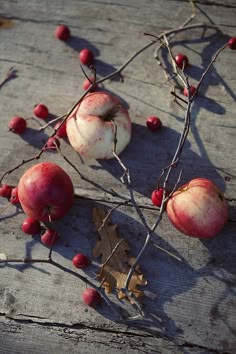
(91, 126)
(198, 209)
(45, 192)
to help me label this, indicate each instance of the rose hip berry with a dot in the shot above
(192, 89)
(62, 32)
(61, 132)
(5, 191)
(80, 261)
(86, 57)
(41, 111)
(31, 226)
(181, 61)
(157, 196)
(49, 237)
(232, 43)
(53, 143)
(91, 297)
(153, 123)
(87, 84)
(14, 196)
(17, 125)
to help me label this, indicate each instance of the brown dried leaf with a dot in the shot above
(115, 259)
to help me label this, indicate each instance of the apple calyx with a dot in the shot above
(110, 114)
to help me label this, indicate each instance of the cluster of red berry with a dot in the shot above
(18, 125)
(154, 123)
(48, 238)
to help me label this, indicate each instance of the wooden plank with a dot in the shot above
(189, 304)
(184, 295)
(54, 338)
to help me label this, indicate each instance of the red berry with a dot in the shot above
(62, 32)
(5, 191)
(86, 57)
(53, 143)
(14, 196)
(17, 125)
(31, 226)
(80, 261)
(87, 84)
(153, 123)
(91, 297)
(232, 43)
(192, 90)
(61, 132)
(49, 237)
(41, 111)
(181, 61)
(157, 196)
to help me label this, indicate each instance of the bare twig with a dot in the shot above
(66, 270)
(11, 73)
(126, 180)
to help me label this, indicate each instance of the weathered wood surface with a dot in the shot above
(189, 306)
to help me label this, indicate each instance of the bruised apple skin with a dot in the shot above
(45, 192)
(198, 209)
(90, 127)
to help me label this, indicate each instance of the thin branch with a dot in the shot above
(10, 74)
(109, 214)
(51, 122)
(113, 193)
(126, 180)
(207, 70)
(66, 270)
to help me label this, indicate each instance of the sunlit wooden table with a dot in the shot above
(189, 306)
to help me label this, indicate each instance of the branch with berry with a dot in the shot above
(161, 197)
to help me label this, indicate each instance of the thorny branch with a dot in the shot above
(164, 39)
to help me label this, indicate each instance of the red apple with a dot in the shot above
(198, 209)
(90, 128)
(45, 192)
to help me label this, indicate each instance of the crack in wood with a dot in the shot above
(76, 327)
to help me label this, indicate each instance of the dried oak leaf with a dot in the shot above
(115, 261)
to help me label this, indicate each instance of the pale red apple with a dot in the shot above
(45, 192)
(90, 128)
(198, 209)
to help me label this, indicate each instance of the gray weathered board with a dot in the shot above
(190, 306)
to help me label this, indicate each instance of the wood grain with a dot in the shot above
(189, 306)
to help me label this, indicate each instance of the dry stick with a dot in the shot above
(167, 252)
(51, 122)
(166, 33)
(164, 200)
(66, 270)
(156, 38)
(50, 261)
(111, 192)
(10, 74)
(126, 180)
(109, 214)
(5, 208)
(156, 56)
(36, 157)
(110, 255)
(207, 69)
(175, 159)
